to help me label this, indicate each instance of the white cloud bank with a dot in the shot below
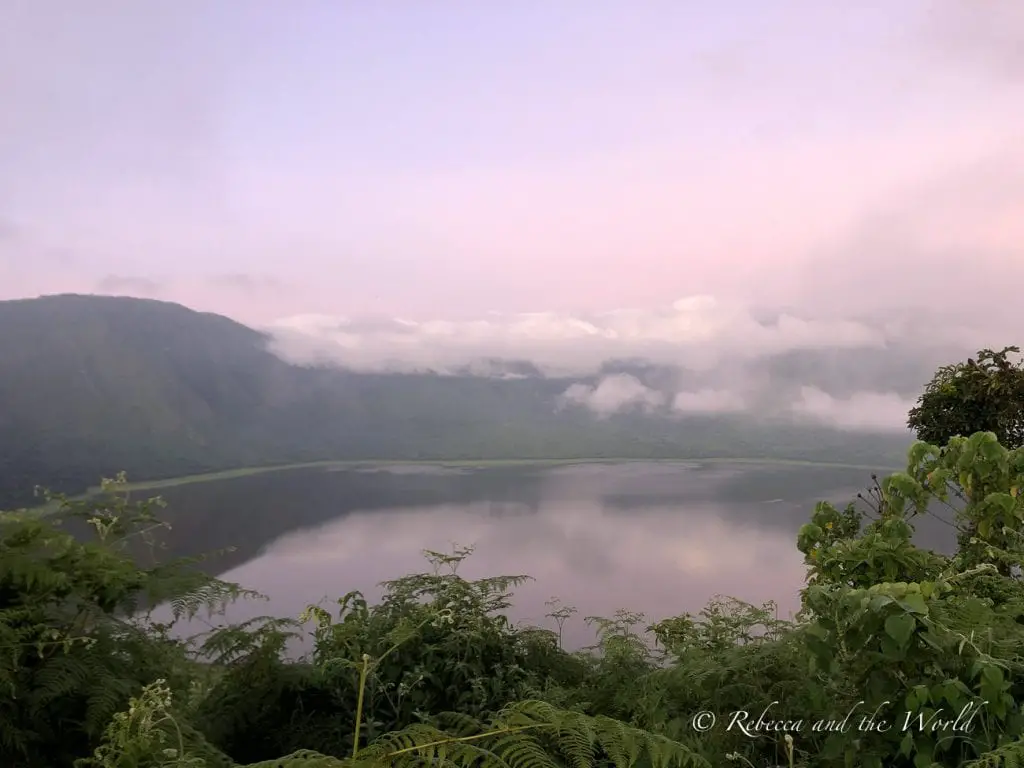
(863, 411)
(622, 392)
(701, 355)
(614, 393)
(698, 331)
(708, 401)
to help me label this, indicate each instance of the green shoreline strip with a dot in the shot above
(475, 464)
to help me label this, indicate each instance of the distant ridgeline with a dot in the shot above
(93, 385)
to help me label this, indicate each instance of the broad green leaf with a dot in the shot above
(915, 603)
(900, 627)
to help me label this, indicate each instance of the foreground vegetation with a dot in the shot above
(436, 674)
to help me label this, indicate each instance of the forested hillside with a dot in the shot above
(91, 385)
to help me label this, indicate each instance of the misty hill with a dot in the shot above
(91, 385)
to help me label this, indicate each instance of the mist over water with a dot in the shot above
(658, 538)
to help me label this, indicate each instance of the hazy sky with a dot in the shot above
(445, 160)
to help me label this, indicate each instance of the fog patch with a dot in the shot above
(863, 411)
(709, 401)
(612, 394)
(699, 332)
(700, 356)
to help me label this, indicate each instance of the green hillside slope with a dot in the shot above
(90, 385)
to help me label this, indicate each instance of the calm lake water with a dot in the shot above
(659, 538)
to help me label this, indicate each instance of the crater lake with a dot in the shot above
(659, 538)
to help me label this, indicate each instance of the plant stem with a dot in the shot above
(359, 706)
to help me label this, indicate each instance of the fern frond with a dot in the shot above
(532, 734)
(305, 758)
(1007, 756)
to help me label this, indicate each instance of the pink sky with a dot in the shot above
(265, 161)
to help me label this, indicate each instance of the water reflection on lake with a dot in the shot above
(657, 538)
(659, 560)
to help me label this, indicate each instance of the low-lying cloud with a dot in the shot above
(700, 356)
(614, 393)
(709, 401)
(863, 411)
(698, 331)
(860, 412)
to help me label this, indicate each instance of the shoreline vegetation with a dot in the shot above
(454, 464)
(146, 485)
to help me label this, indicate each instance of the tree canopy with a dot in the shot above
(985, 394)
